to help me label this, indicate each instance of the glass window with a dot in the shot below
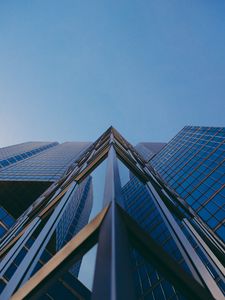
(2, 231)
(8, 220)
(221, 232)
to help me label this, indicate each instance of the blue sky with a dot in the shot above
(70, 69)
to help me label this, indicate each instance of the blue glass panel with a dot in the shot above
(211, 207)
(212, 222)
(10, 271)
(8, 220)
(2, 231)
(204, 214)
(20, 256)
(221, 232)
(220, 215)
(4, 163)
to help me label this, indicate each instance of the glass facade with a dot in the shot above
(140, 205)
(48, 165)
(193, 164)
(75, 217)
(149, 150)
(25, 180)
(138, 239)
(13, 154)
(68, 286)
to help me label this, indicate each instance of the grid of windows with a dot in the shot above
(12, 154)
(74, 218)
(67, 285)
(35, 161)
(48, 165)
(69, 221)
(149, 283)
(205, 260)
(140, 206)
(193, 164)
(195, 151)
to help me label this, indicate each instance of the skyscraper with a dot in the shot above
(27, 170)
(36, 166)
(150, 243)
(193, 164)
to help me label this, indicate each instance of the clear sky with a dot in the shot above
(69, 69)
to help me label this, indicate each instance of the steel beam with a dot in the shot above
(196, 266)
(72, 252)
(113, 274)
(29, 262)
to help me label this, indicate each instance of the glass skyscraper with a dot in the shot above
(30, 168)
(35, 167)
(193, 164)
(150, 283)
(148, 241)
(12, 154)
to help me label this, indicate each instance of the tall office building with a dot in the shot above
(193, 164)
(13, 154)
(10, 182)
(151, 244)
(150, 284)
(28, 169)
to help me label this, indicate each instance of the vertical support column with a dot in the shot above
(20, 225)
(198, 269)
(112, 190)
(211, 240)
(203, 246)
(113, 275)
(16, 229)
(14, 251)
(29, 262)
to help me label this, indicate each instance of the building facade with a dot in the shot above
(151, 243)
(193, 164)
(28, 170)
(150, 283)
(13, 154)
(149, 150)
(36, 166)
